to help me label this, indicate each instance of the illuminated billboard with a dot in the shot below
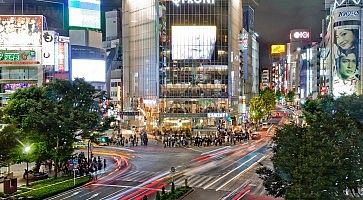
(193, 42)
(277, 49)
(21, 30)
(62, 55)
(300, 35)
(346, 72)
(90, 70)
(346, 51)
(19, 57)
(85, 13)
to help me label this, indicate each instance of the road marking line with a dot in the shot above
(93, 196)
(229, 173)
(136, 177)
(180, 181)
(74, 194)
(126, 186)
(205, 181)
(194, 149)
(250, 167)
(198, 181)
(209, 152)
(127, 175)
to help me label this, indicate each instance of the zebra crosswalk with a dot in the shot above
(137, 176)
(198, 181)
(195, 181)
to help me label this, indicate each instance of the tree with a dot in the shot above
(318, 161)
(256, 109)
(50, 116)
(290, 96)
(8, 145)
(269, 100)
(278, 95)
(353, 105)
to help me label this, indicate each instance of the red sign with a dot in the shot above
(324, 90)
(61, 57)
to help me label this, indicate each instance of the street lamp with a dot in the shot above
(26, 151)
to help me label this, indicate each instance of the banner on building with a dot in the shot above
(21, 30)
(48, 47)
(346, 72)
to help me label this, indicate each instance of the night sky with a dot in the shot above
(274, 19)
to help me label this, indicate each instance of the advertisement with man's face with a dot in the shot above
(21, 30)
(346, 74)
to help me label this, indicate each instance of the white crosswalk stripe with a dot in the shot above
(194, 181)
(141, 176)
(205, 182)
(137, 176)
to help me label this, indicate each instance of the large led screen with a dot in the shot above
(21, 30)
(90, 70)
(346, 73)
(85, 13)
(193, 42)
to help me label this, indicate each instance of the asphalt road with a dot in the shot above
(144, 170)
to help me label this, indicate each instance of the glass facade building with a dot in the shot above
(199, 64)
(187, 55)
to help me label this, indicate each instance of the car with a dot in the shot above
(265, 125)
(256, 135)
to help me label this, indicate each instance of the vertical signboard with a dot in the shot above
(48, 48)
(346, 59)
(244, 48)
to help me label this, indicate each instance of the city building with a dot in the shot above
(301, 70)
(181, 62)
(279, 68)
(20, 53)
(54, 11)
(249, 56)
(88, 55)
(113, 48)
(265, 79)
(36, 48)
(341, 49)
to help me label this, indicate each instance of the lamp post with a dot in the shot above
(26, 151)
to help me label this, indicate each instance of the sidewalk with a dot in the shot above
(18, 171)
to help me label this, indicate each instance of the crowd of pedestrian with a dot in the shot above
(130, 141)
(81, 166)
(221, 138)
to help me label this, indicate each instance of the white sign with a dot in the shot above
(347, 14)
(217, 115)
(302, 35)
(178, 2)
(48, 47)
(193, 42)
